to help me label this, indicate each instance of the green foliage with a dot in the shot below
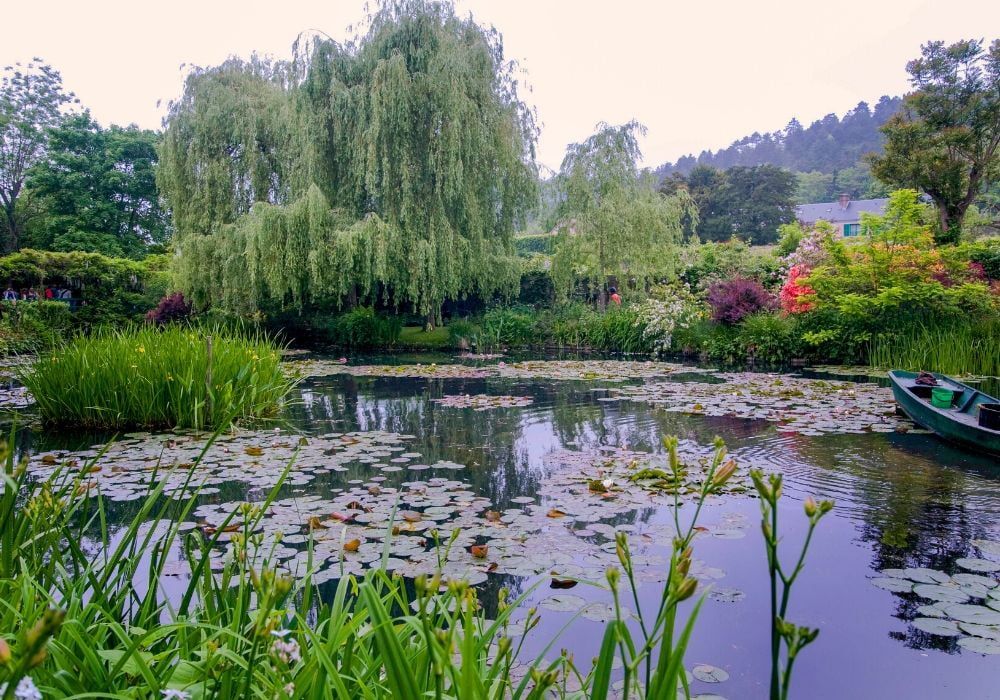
(31, 102)
(98, 190)
(148, 377)
(400, 163)
(110, 290)
(613, 222)
(505, 327)
(953, 348)
(790, 235)
(770, 338)
(526, 246)
(31, 327)
(986, 252)
(704, 264)
(363, 328)
(946, 138)
(463, 333)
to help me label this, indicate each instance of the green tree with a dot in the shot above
(415, 136)
(98, 191)
(945, 140)
(31, 101)
(612, 220)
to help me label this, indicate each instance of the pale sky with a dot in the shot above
(698, 74)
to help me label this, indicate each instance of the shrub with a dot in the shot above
(171, 309)
(33, 326)
(506, 327)
(148, 377)
(526, 246)
(463, 333)
(987, 254)
(735, 299)
(363, 328)
(769, 338)
(667, 310)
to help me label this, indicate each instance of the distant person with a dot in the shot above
(615, 298)
(49, 294)
(65, 294)
(9, 294)
(32, 295)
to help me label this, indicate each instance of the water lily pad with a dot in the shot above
(563, 602)
(980, 565)
(933, 591)
(934, 625)
(895, 585)
(977, 614)
(980, 645)
(985, 631)
(710, 674)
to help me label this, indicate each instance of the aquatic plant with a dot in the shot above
(952, 348)
(148, 377)
(240, 627)
(784, 634)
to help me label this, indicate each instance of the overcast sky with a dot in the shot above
(697, 73)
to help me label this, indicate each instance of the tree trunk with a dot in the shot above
(429, 322)
(352, 297)
(12, 243)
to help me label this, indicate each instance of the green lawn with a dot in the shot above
(417, 337)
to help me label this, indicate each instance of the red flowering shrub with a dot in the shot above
(796, 296)
(172, 307)
(735, 299)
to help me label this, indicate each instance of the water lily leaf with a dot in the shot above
(980, 645)
(253, 451)
(989, 547)
(563, 602)
(985, 631)
(934, 625)
(924, 575)
(980, 565)
(561, 583)
(555, 513)
(977, 614)
(479, 551)
(710, 674)
(352, 545)
(933, 591)
(895, 585)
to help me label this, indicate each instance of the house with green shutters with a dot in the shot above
(844, 214)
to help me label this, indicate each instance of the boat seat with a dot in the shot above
(967, 403)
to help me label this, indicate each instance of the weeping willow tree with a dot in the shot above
(397, 164)
(612, 221)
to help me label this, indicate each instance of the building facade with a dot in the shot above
(844, 214)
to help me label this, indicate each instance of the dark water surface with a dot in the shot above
(901, 500)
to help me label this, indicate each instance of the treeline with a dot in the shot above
(828, 145)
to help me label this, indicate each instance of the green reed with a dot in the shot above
(950, 348)
(176, 377)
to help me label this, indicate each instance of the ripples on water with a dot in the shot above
(902, 500)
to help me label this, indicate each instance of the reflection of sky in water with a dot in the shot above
(903, 500)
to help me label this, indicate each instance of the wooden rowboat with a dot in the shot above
(959, 423)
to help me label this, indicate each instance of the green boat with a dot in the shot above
(958, 423)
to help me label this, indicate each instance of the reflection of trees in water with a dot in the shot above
(913, 511)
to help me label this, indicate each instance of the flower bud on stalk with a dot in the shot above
(686, 589)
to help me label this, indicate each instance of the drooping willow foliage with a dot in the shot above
(612, 220)
(394, 166)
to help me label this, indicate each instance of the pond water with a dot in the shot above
(903, 500)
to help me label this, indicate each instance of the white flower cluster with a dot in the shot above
(287, 651)
(661, 317)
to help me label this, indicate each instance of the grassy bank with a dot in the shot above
(952, 349)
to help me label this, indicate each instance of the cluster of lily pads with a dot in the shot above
(964, 604)
(483, 402)
(806, 406)
(605, 370)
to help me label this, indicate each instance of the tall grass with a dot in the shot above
(951, 349)
(176, 377)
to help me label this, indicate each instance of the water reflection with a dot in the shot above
(902, 500)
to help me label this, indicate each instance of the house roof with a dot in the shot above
(837, 214)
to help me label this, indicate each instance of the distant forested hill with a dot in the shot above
(828, 145)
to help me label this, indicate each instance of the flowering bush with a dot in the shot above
(814, 247)
(667, 310)
(173, 307)
(796, 296)
(735, 299)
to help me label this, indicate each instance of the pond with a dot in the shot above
(506, 451)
